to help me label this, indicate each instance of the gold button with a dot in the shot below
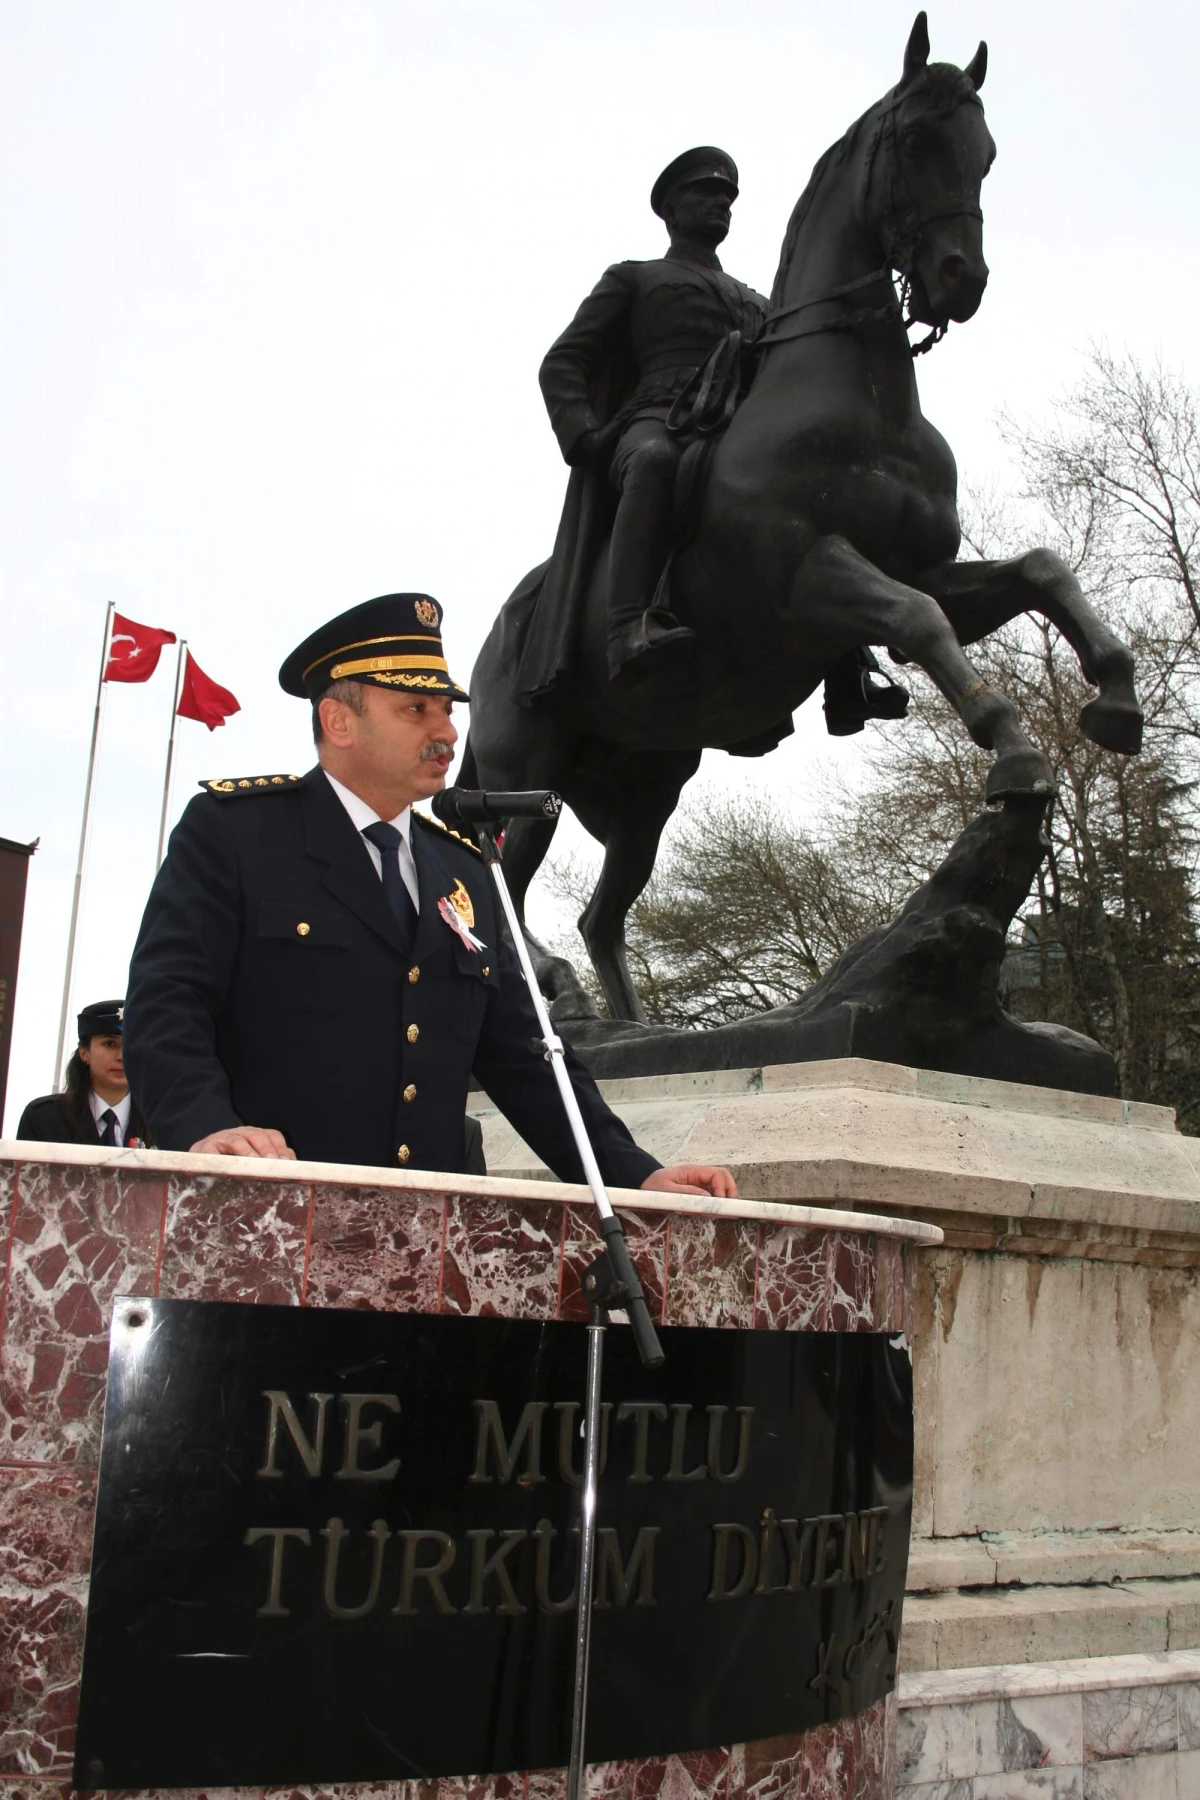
(403, 1153)
(414, 974)
(486, 971)
(413, 1033)
(410, 1092)
(302, 930)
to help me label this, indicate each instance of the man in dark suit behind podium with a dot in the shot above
(320, 969)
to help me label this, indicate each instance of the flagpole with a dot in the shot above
(83, 832)
(162, 824)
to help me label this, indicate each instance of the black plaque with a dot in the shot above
(288, 1589)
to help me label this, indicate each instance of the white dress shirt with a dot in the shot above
(361, 814)
(120, 1107)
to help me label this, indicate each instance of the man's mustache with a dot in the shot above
(439, 747)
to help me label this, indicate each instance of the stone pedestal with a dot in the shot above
(1057, 1375)
(80, 1226)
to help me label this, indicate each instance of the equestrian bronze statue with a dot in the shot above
(811, 516)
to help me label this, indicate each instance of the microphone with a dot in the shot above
(471, 806)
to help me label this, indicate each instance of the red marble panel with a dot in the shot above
(45, 1554)
(870, 1754)
(793, 1278)
(610, 1780)
(375, 1247)
(825, 1764)
(852, 1281)
(648, 1236)
(773, 1767)
(79, 1236)
(711, 1268)
(890, 1273)
(8, 1194)
(693, 1775)
(501, 1258)
(378, 1790)
(33, 1789)
(230, 1239)
(546, 1784)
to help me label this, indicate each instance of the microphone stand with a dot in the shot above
(609, 1283)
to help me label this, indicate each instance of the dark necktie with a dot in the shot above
(386, 839)
(108, 1119)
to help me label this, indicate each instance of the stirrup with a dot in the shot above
(655, 636)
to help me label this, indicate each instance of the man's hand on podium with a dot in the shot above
(693, 1178)
(243, 1140)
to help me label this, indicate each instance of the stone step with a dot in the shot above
(1050, 1559)
(965, 1629)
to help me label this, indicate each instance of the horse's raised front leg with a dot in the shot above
(850, 601)
(979, 597)
(627, 812)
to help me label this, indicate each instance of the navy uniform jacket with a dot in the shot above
(659, 319)
(47, 1121)
(271, 985)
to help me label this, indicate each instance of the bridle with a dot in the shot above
(901, 247)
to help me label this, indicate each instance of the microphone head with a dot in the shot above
(472, 806)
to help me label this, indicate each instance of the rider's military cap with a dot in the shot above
(703, 164)
(104, 1018)
(392, 642)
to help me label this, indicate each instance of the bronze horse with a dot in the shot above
(828, 521)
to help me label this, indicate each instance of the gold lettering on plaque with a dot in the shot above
(823, 1574)
(490, 1433)
(641, 1412)
(333, 1533)
(358, 1434)
(716, 1418)
(796, 1542)
(766, 1544)
(876, 1517)
(569, 1434)
(310, 1453)
(639, 1568)
(545, 1534)
(414, 1571)
(483, 1565)
(273, 1607)
(675, 1469)
(723, 1537)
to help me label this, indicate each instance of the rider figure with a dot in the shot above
(653, 323)
(610, 381)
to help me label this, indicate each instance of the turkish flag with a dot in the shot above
(134, 650)
(201, 698)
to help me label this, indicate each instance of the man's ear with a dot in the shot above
(332, 714)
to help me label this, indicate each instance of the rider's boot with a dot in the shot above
(851, 697)
(639, 632)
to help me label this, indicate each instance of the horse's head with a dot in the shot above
(931, 153)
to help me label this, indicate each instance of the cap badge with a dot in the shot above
(427, 613)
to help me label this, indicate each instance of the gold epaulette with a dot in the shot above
(466, 842)
(249, 784)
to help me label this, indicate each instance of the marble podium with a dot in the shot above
(81, 1226)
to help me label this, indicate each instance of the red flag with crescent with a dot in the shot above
(134, 650)
(202, 698)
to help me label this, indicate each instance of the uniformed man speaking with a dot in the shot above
(320, 969)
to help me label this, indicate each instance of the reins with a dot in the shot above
(900, 257)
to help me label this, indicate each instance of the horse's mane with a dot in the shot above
(947, 88)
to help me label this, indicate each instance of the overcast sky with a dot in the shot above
(278, 278)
